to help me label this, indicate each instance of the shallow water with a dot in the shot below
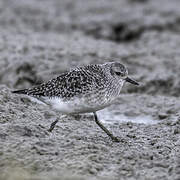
(109, 117)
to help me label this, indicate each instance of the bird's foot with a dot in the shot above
(115, 139)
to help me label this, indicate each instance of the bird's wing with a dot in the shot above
(78, 81)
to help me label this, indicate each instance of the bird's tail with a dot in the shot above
(23, 91)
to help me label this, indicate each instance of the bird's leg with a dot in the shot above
(53, 125)
(105, 129)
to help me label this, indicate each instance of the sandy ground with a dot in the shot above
(40, 39)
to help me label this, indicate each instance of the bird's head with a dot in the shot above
(119, 71)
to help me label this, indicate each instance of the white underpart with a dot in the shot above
(67, 107)
(71, 107)
(74, 106)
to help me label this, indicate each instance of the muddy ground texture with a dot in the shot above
(41, 39)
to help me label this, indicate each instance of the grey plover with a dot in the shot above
(83, 89)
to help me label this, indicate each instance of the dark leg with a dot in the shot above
(105, 129)
(53, 125)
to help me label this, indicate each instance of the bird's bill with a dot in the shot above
(131, 81)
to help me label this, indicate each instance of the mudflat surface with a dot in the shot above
(41, 39)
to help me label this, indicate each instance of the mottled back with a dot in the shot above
(76, 82)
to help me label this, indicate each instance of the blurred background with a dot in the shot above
(39, 39)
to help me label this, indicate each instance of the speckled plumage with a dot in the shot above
(83, 89)
(76, 82)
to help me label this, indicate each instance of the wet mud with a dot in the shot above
(41, 39)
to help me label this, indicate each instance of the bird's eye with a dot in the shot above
(119, 73)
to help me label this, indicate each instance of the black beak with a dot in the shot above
(131, 81)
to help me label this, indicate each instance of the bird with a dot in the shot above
(83, 89)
